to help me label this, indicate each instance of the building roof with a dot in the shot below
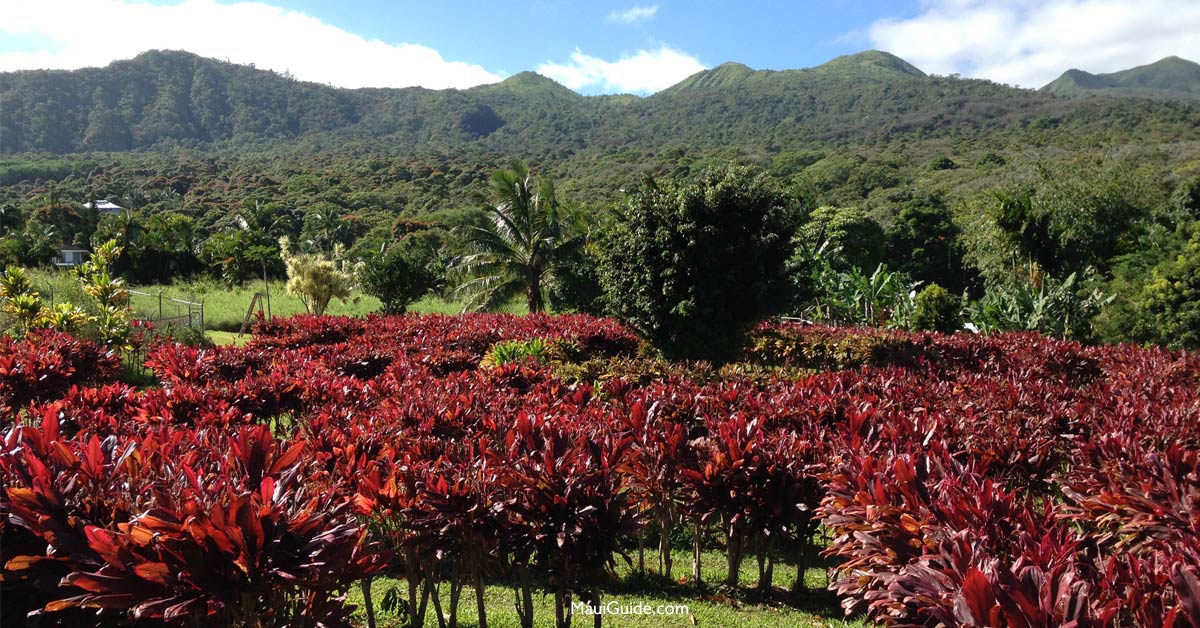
(104, 205)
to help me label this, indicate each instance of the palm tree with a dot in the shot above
(515, 253)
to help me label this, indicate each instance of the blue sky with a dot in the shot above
(601, 47)
(773, 35)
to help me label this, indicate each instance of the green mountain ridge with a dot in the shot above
(165, 99)
(872, 64)
(1169, 78)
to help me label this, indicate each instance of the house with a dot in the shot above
(70, 256)
(105, 206)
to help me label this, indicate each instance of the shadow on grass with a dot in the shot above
(819, 602)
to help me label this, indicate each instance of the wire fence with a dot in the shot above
(163, 310)
(154, 308)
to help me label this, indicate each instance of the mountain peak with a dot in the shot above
(732, 67)
(527, 78)
(1168, 78)
(871, 61)
(529, 83)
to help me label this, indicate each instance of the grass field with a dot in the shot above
(228, 338)
(713, 607)
(225, 306)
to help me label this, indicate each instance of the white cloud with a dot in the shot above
(84, 33)
(1030, 42)
(644, 72)
(632, 14)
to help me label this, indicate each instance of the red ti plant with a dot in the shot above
(1135, 497)
(659, 454)
(385, 478)
(571, 507)
(926, 540)
(455, 518)
(52, 489)
(1141, 504)
(45, 364)
(232, 529)
(755, 483)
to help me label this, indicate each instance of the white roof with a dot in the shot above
(105, 205)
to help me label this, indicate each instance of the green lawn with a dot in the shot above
(715, 606)
(228, 338)
(225, 306)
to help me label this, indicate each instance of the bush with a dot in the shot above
(1043, 304)
(937, 310)
(397, 277)
(576, 286)
(850, 237)
(693, 266)
(316, 280)
(45, 364)
(1170, 299)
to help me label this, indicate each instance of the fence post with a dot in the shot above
(160, 304)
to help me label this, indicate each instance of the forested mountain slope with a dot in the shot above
(163, 99)
(1169, 78)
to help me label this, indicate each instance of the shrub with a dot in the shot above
(576, 286)
(1043, 304)
(850, 237)
(509, 351)
(46, 363)
(1170, 299)
(316, 280)
(397, 277)
(233, 531)
(693, 266)
(107, 317)
(937, 310)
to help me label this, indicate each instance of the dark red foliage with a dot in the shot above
(1003, 480)
(45, 364)
(176, 523)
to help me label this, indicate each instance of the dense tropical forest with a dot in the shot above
(1075, 216)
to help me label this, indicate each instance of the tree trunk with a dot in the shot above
(365, 584)
(480, 606)
(533, 294)
(562, 608)
(417, 592)
(593, 600)
(642, 552)
(801, 566)
(696, 555)
(733, 555)
(456, 586)
(524, 593)
(436, 598)
(766, 564)
(666, 521)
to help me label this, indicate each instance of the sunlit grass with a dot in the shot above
(713, 606)
(228, 338)
(225, 306)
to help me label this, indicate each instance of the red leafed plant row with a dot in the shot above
(1006, 480)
